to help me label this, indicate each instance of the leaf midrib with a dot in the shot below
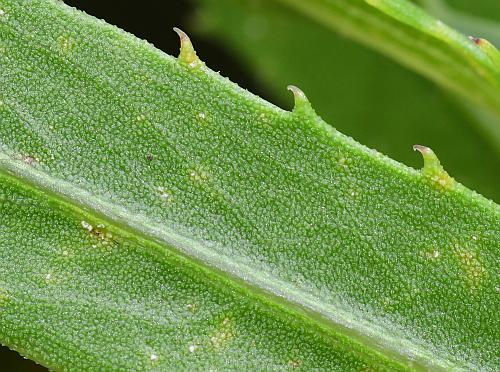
(63, 193)
(164, 238)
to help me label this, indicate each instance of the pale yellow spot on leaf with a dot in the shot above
(30, 160)
(432, 254)
(66, 43)
(98, 232)
(49, 277)
(198, 175)
(223, 335)
(473, 268)
(294, 363)
(4, 296)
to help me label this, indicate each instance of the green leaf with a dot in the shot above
(485, 9)
(467, 23)
(156, 216)
(421, 42)
(367, 96)
(76, 296)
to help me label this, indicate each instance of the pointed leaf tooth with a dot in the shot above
(302, 104)
(187, 54)
(488, 48)
(433, 170)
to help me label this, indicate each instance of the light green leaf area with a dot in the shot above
(421, 42)
(368, 97)
(487, 9)
(479, 19)
(76, 296)
(155, 216)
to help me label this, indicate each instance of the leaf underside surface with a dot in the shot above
(155, 215)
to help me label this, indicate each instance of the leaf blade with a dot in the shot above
(368, 97)
(212, 321)
(241, 205)
(420, 42)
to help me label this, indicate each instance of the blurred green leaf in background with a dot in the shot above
(361, 92)
(173, 219)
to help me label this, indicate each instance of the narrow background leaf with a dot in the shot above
(173, 157)
(364, 94)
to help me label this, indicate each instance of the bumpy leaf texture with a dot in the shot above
(367, 96)
(154, 215)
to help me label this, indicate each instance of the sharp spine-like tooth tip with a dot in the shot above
(297, 93)
(421, 149)
(487, 48)
(187, 54)
(182, 35)
(433, 169)
(302, 104)
(476, 40)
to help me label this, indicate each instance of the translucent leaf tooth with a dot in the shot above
(476, 40)
(433, 170)
(302, 104)
(187, 54)
(488, 48)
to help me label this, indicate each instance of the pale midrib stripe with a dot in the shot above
(338, 317)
